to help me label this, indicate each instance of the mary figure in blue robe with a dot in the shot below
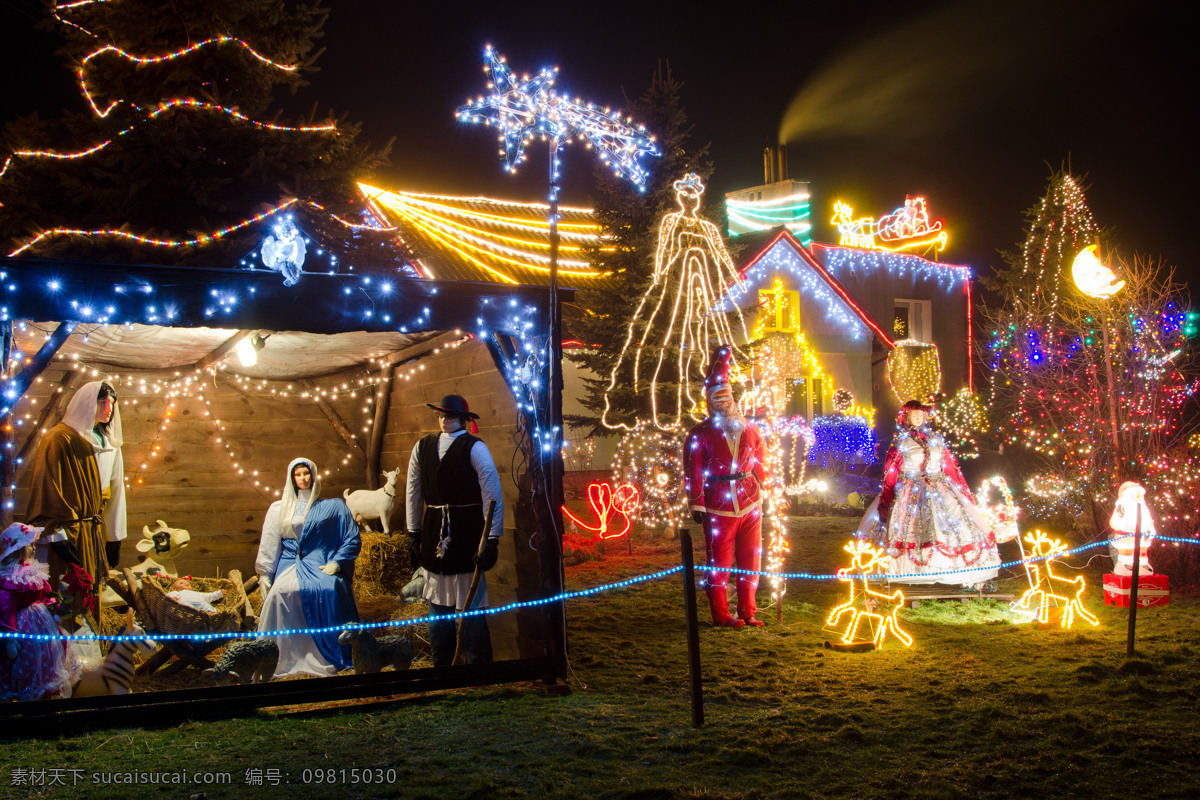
(306, 565)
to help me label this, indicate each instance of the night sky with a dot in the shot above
(970, 104)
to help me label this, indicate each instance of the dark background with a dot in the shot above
(970, 104)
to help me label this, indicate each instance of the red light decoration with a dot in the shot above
(610, 505)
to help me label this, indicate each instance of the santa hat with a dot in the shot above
(717, 376)
(15, 537)
(1130, 486)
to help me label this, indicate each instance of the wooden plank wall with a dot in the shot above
(190, 482)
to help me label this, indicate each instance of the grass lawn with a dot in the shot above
(977, 707)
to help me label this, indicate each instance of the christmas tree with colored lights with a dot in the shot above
(629, 221)
(1087, 391)
(178, 139)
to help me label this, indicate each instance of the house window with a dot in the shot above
(914, 320)
(778, 311)
(808, 399)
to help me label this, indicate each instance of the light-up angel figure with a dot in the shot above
(283, 250)
(681, 317)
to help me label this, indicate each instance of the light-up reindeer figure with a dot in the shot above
(854, 232)
(1049, 589)
(863, 602)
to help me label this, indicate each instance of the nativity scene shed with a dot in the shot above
(223, 377)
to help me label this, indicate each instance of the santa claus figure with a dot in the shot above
(1130, 498)
(723, 460)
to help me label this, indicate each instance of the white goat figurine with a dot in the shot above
(114, 675)
(376, 503)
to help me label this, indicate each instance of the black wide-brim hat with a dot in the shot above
(456, 405)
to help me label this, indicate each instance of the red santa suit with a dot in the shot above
(724, 477)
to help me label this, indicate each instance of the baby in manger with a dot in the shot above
(182, 592)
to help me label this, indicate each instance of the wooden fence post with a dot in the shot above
(1133, 584)
(693, 629)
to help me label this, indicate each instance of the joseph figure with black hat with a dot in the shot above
(451, 480)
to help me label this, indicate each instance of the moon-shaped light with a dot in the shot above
(1093, 278)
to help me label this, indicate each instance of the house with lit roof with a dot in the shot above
(841, 311)
(832, 312)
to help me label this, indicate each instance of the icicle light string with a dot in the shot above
(480, 612)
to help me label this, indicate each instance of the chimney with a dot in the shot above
(775, 167)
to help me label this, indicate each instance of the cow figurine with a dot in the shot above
(374, 504)
(161, 546)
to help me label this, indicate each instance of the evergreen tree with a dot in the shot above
(629, 228)
(1087, 392)
(185, 135)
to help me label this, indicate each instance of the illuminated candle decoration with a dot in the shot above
(863, 603)
(1051, 594)
(613, 507)
(532, 107)
(907, 228)
(913, 370)
(283, 250)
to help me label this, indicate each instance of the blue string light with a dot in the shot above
(478, 612)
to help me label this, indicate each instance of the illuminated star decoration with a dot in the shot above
(522, 109)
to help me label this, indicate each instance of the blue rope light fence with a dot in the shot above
(542, 601)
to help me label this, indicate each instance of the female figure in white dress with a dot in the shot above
(925, 516)
(683, 316)
(306, 565)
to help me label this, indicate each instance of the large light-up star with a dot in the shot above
(529, 107)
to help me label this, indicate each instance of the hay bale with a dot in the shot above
(382, 566)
